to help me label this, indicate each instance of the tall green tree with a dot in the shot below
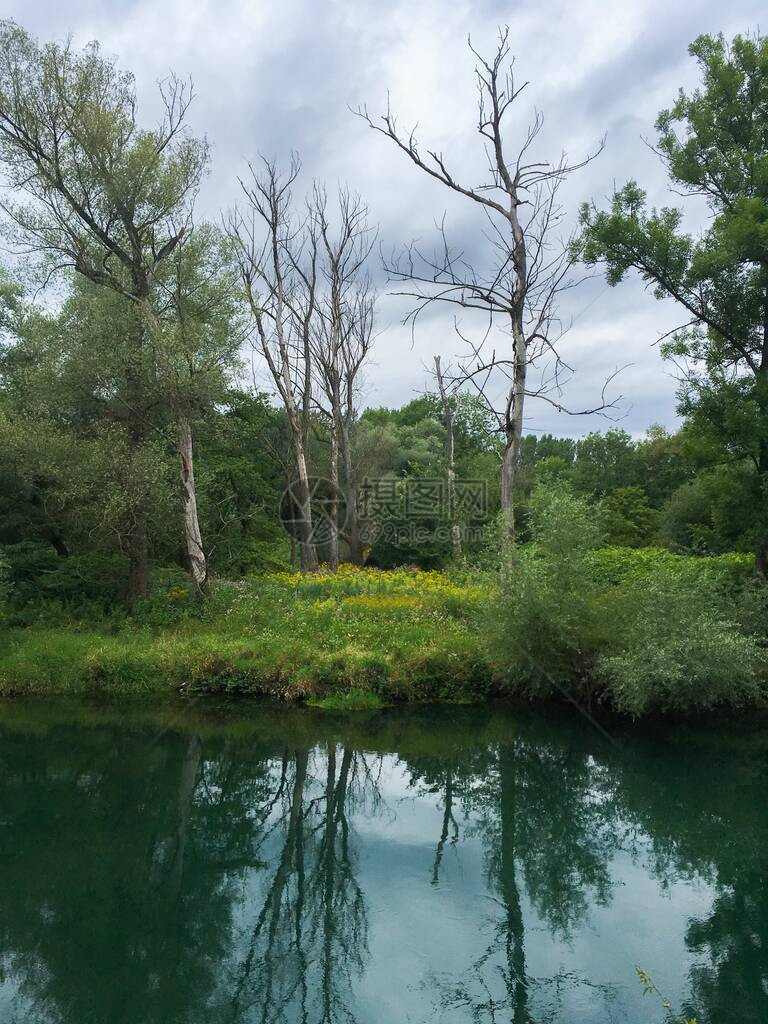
(88, 188)
(714, 143)
(201, 330)
(74, 480)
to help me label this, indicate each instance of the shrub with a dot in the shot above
(353, 700)
(85, 584)
(641, 628)
(609, 566)
(678, 643)
(549, 624)
(171, 600)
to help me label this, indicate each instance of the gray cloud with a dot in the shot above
(275, 76)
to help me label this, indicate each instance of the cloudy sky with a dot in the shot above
(277, 75)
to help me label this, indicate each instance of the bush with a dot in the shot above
(682, 643)
(171, 600)
(549, 623)
(47, 587)
(610, 566)
(638, 628)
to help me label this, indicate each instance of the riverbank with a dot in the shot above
(364, 637)
(394, 636)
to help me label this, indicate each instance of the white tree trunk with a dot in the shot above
(198, 567)
(514, 431)
(448, 421)
(307, 539)
(356, 552)
(333, 554)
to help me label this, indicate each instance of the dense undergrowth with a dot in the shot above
(636, 629)
(408, 635)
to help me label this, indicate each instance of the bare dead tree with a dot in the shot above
(278, 259)
(445, 401)
(354, 355)
(529, 266)
(342, 342)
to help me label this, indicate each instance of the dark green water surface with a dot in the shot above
(221, 863)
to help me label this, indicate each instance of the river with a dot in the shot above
(238, 862)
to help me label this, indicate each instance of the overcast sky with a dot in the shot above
(277, 75)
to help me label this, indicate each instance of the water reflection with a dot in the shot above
(253, 864)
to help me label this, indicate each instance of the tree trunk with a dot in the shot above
(761, 548)
(196, 561)
(308, 551)
(354, 541)
(514, 432)
(448, 421)
(761, 559)
(508, 466)
(138, 559)
(186, 791)
(333, 555)
(138, 536)
(514, 926)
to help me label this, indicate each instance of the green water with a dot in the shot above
(219, 863)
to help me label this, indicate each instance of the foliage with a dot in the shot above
(718, 510)
(97, 188)
(641, 629)
(548, 625)
(677, 645)
(408, 444)
(402, 635)
(628, 517)
(354, 700)
(636, 628)
(630, 580)
(714, 143)
(615, 565)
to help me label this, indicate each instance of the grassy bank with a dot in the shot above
(636, 629)
(405, 635)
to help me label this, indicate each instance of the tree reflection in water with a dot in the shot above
(544, 815)
(223, 873)
(309, 939)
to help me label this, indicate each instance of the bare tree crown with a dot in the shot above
(530, 266)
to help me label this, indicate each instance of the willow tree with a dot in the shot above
(517, 279)
(714, 143)
(89, 189)
(66, 426)
(200, 320)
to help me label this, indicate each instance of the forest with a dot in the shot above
(195, 497)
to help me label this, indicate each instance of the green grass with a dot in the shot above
(636, 630)
(354, 700)
(405, 635)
